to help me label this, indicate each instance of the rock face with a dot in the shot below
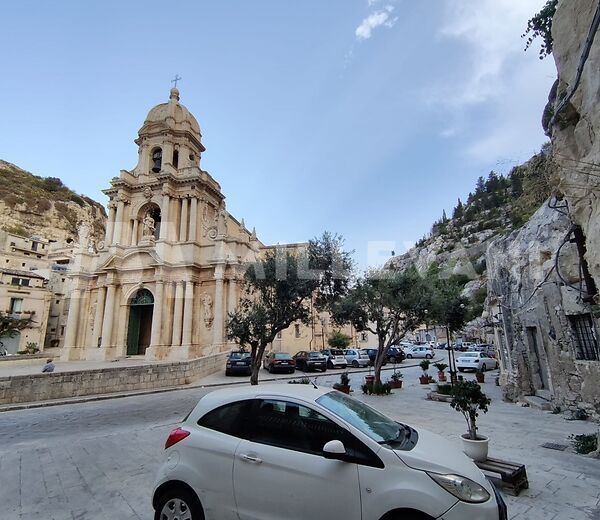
(536, 314)
(576, 132)
(44, 207)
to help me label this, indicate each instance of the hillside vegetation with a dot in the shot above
(44, 206)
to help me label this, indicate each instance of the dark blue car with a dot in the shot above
(238, 363)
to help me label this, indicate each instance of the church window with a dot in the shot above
(176, 158)
(586, 345)
(156, 160)
(297, 330)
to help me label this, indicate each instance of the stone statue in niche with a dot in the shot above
(221, 220)
(149, 227)
(83, 233)
(207, 310)
(92, 245)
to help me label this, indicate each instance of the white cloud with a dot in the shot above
(374, 20)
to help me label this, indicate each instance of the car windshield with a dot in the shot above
(315, 354)
(364, 352)
(282, 355)
(364, 418)
(471, 354)
(337, 352)
(239, 355)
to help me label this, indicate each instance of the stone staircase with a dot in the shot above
(541, 400)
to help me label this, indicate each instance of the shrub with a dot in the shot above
(338, 340)
(344, 378)
(396, 376)
(468, 399)
(445, 389)
(425, 365)
(441, 366)
(584, 444)
(381, 389)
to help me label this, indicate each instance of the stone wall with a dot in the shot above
(57, 385)
(533, 309)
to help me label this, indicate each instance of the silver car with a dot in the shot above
(357, 357)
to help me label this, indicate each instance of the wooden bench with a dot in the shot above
(513, 477)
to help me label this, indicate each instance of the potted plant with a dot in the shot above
(344, 384)
(396, 379)
(441, 375)
(424, 378)
(480, 376)
(468, 399)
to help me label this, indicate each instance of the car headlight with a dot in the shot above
(461, 487)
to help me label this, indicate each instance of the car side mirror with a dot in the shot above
(335, 450)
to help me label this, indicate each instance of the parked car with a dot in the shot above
(489, 350)
(357, 357)
(372, 353)
(240, 451)
(419, 352)
(279, 362)
(395, 355)
(308, 361)
(475, 361)
(238, 363)
(335, 358)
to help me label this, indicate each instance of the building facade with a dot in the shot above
(169, 270)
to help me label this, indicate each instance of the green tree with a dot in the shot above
(540, 26)
(10, 325)
(332, 266)
(387, 303)
(277, 293)
(338, 339)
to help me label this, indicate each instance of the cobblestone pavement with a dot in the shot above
(97, 460)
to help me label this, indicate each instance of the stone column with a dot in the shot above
(218, 307)
(99, 315)
(231, 294)
(188, 314)
(192, 235)
(177, 314)
(183, 220)
(110, 224)
(164, 217)
(109, 311)
(73, 319)
(118, 230)
(155, 338)
(134, 233)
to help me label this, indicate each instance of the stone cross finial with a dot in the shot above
(175, 80)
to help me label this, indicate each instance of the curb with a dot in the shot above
(121, 395)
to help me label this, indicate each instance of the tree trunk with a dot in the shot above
(256, 363)
(379, 361)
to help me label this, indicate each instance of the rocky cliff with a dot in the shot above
(575, 108)
(44, 206)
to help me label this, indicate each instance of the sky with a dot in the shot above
(366, 118)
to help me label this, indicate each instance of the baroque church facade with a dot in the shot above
(171, 265)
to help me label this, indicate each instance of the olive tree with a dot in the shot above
(388, 304)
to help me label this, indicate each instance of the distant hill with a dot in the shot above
(499, 205)
(44, 206)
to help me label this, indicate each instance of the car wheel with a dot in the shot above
(178, 503)
(329, 364)
(461, 369)
(355, 364)
(427, 356)
(227, 372)
(408, 356)
(393, 359)
(270, 369)
(483, 367)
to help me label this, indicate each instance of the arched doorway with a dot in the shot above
(140, 322)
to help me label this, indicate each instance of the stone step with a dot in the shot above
(537, 402)
(544, 394)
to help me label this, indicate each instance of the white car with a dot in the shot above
(304, 452)
(357, 357)
(475, 361)
(419, 352)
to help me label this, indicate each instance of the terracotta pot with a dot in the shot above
(476, 450)
(480, 376)
(396, 384)
(424, 380)
(369, 380)
(342, 388)
(442, 377)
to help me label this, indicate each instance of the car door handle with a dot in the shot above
(250, 458)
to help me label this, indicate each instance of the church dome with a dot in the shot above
(172, 115)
